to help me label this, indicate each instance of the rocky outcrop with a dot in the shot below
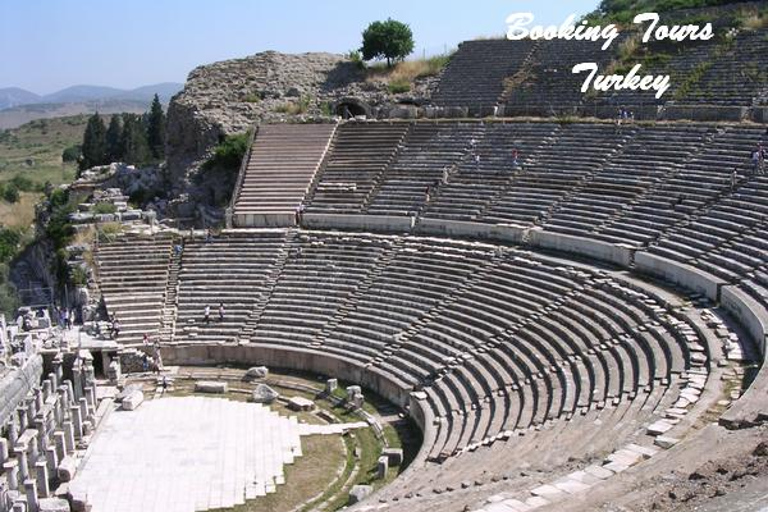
(228, 97)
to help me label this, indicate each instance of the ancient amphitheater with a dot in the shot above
(567, 327)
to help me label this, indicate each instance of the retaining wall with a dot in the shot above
(17, 384)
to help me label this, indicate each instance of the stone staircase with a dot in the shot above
(167, 329)
(270, 283)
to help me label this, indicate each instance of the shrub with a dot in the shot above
(24, 184)
(9, 243)
(252, 98)
(11, 194)
(294, 108)
(399, 86)
(357, 58)
(109, 231)
(104, 208)
(229, 154)
(78, 276)
(71, 154)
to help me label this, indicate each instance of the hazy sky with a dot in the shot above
(46, 45)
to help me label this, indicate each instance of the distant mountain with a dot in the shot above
(164, 90)
(18, 106)
(83, 93)
(80, 93)
(17, 116)
(13, 97)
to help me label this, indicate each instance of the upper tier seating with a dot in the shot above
(475, 183)
(566, 162)
(132, 274)
(361, 153)
(429, 151)
(282, 164)
(476, 73)
(548, 85)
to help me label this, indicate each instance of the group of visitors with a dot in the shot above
(207, 313)
(623, 116)
(65, 317)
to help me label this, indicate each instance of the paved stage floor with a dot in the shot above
(185, 454)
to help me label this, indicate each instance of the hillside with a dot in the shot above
(18, 106)
(14, 96)
(35, 148)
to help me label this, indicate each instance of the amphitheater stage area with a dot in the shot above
(186, 454)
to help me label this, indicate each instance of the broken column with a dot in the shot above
(41, 474)
(3, 451)
(11, 470)
(52, 457)
(58, 370)
(60, 445)
(331, 385)
(77, 421)
(77, 382)
(21, 412)
(13, 431)
(69, 437)
(382, 465)
(20, 453)
(30, 490)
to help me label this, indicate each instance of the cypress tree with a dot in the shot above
(156, 129)
(114, 139)
(134, 146)
(94, 143)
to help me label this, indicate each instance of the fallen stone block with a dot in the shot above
(67, 469)
(395, 455)
(264, 394)
(53, 505)
(298, 403)
(659, 428)
(257, 372)
(212, 387)
(133, 400)
(665, 442)
(358, 493)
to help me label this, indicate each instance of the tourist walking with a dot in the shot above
(221, 312)
(207, 315)
(115, 332)
(756, 161)
(733, 179)
(515, 157)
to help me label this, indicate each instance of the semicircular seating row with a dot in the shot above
(499, 340)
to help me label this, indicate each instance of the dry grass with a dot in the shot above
(754, 21)
(20, 214)
(307, 477)
(401, 76)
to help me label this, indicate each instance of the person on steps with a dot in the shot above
(207, 315)
(221, 312)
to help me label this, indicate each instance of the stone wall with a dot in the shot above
(15, 385)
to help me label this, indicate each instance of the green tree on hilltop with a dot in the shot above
(114, 139)
(391, 40)
(156, 129)
(94, 143)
